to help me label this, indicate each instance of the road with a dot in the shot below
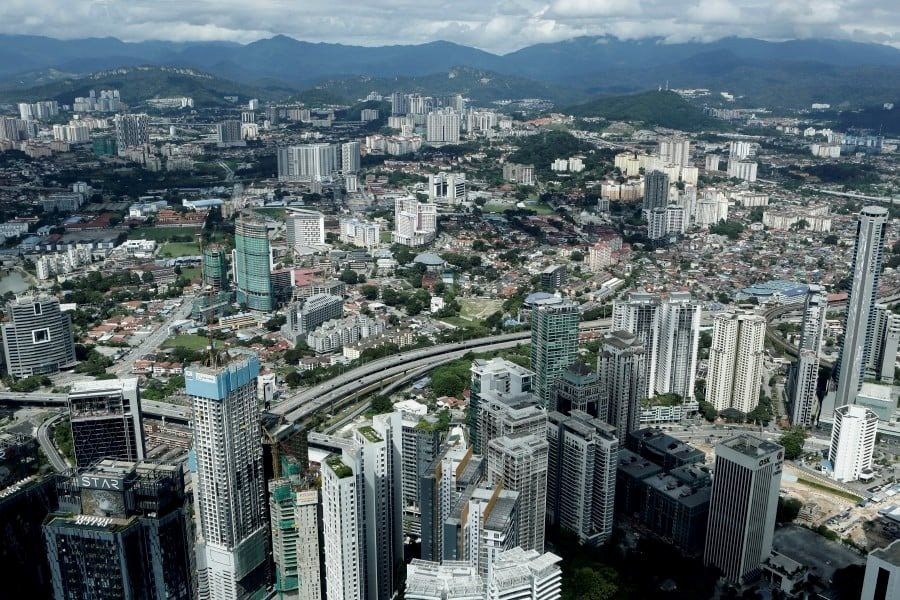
(229, 173)
(152, 342)
(306, 402)
(58, 463)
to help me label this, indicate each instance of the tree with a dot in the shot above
(591, 583)
(293, 379)
(576, 256)
(793, 440)
(381, 404)
(370, 292)
(788, 509)
(349, 277)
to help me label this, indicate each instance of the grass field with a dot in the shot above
(478, 309)
(163, 234)
(191, 273)
(385, 237)
(186, 340)
(176, 249)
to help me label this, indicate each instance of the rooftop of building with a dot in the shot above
(750, 445)
(336, 464)
(429, 259)
(370, 434)
(889, 554)
(498, 365)
(635, 465)
(103, 385)
(674, 488)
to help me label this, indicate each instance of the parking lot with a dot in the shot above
(823, 557)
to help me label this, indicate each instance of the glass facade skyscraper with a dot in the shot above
(554, 343)
(252, 265)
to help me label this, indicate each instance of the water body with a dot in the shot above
(13, 281)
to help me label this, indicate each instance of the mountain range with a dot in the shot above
(794, 72)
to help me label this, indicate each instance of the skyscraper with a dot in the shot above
(37, 337)
(442, 127)
(554, 343)
(859, 321)
(215, 267)
(228, 132)
(106, 421)
(229, 491)
(132, 131)
(307, 162)
(675, 151)
(519, 463)
(656, 190)
(677, 345)
(581, 477)
(639, 314)
(294, 519)
(304, 228)
(746, 480)
(447, 188)
(622, 384)
(252, 265)
(483, 523)
(494, 375)
(852, 442)
(885, 342)
(121, 531)
(805, 374)
(735, 361)
(421, 444)
(342, 529)
(502, 414)
(350, 157)
(579, 389)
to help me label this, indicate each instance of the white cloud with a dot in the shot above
(494, 25)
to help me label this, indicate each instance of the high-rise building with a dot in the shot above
(37, 337)
(447, 188)
(132, 131)
(494, 375)
(554, 343)
(553, 277)
(677, 345)
(620, 364)
(501, 414)
(121, 531)
(805, 374)
(421, 435)
(885, 342)
(229, 489)
(639, 313)
(343, 529)
(350, 157)
(307, 162)
(415, 223)
(360, 233)
(735, 361)
(656, 190)
(296, 548)
(442, 127)
(742, 169)
(581, 475)
(739, 149)
(579, 389)
(215, 267)
(859, 320)
(852, 442)
(526, 575)
(675, 151)
(519, 463)
(307, 314)
(399, 104)
(746, 480)
(304, 228)
(483, 523)
(455, 471)
(229, 132)
(253, 265)
(882, 578)
(105, 416)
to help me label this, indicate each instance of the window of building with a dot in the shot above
(40, 336)
(37, 308)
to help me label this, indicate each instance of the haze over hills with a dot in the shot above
(777, 73)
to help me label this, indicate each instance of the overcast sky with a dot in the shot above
(494, 25)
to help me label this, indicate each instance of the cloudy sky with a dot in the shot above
(494, 25)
